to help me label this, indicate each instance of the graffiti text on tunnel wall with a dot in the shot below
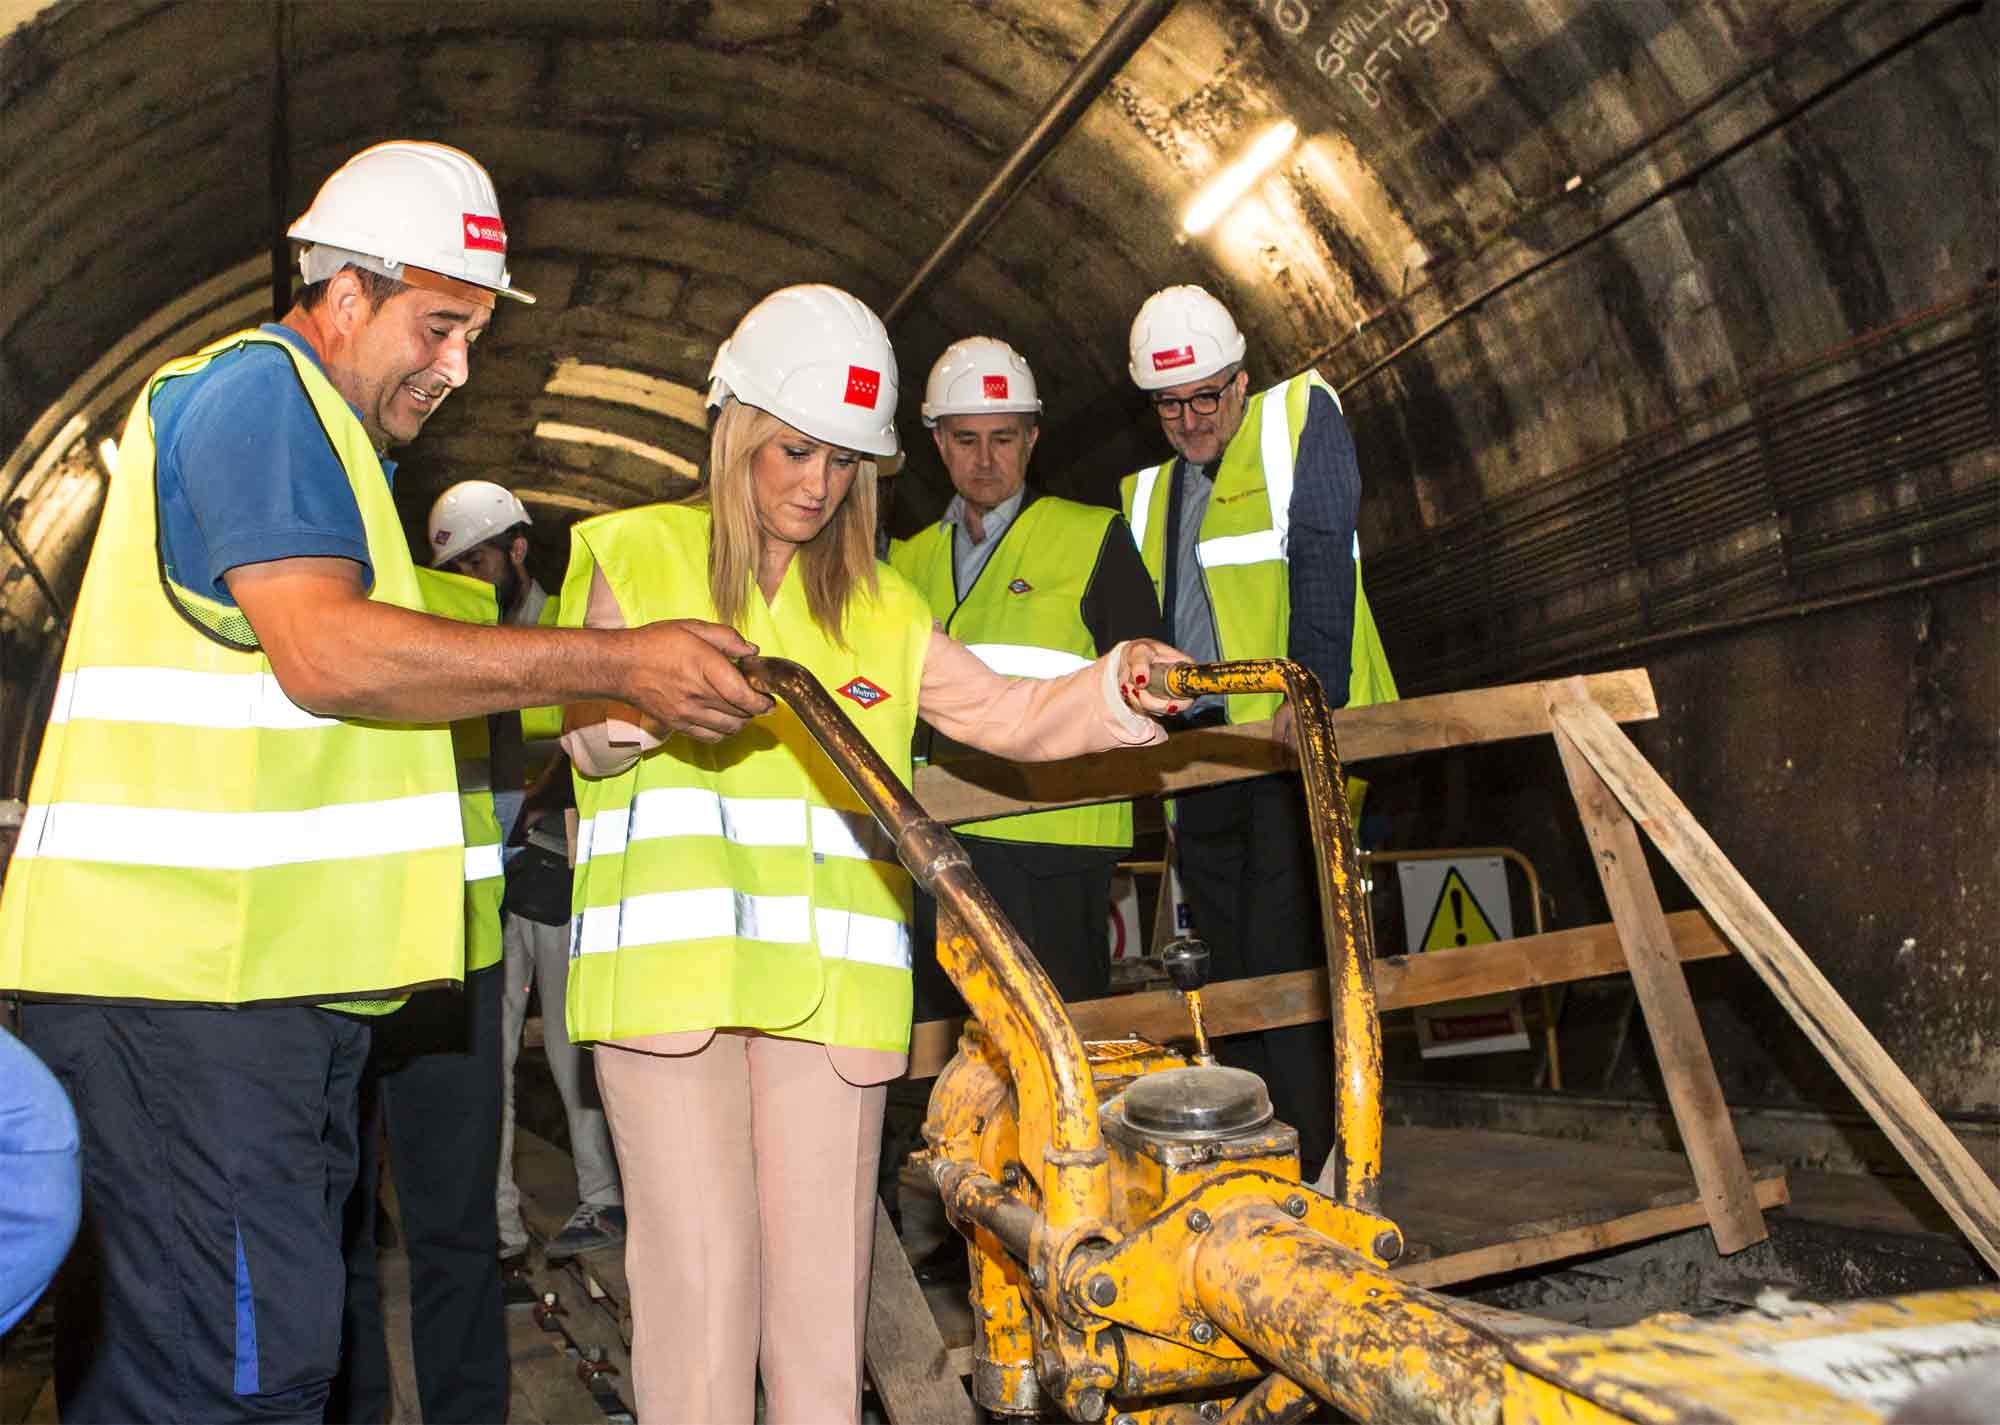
(1362, 44)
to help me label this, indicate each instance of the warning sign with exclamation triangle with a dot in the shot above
(1457, 918)
(1449, 904)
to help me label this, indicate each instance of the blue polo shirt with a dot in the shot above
(246, 473)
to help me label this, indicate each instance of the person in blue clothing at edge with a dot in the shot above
(244, 838)
(1249, 534)
(41, 1196)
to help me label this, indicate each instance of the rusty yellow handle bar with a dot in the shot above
(1018, 1006)
(1353, 1172)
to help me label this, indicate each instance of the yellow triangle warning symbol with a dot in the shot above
(1457, 919)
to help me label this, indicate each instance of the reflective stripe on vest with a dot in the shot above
(194, 836)
(666, 917)
(482, 863)
(744, 885)
(1022, 660)
(180, 697)
(237, 841)
(747, 821)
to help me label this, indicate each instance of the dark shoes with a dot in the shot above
(517, 1287)
(589, 1228)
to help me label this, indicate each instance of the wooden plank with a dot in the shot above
(1679, 1046)
(914, 1374)
(974, 788)
(1964, 1191)
(1574, 1242)
(1483, 1201)
(1401, 982)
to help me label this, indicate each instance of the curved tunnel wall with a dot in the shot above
(1651, 319)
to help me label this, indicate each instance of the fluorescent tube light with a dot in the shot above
(1234, 181)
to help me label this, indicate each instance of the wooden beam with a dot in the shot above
(974, 788)
(1512, 1256)
(1947, 1169)
(1401, 982)
(1679, 1046)
(915, 1376)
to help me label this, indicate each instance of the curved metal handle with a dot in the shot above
(1040, 1044)
(1353, 1174)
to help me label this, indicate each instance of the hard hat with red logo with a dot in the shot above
(470, 513)
(820, 361)
(1182, 334)
(423, 213)
(979, 376)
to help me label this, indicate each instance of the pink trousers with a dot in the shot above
(749, 1172)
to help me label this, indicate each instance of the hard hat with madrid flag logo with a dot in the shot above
(470, 513)
(1182, 334)
(978, 376)
(422, 213)
(820, 361)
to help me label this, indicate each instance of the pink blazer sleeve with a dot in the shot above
(1028, 719)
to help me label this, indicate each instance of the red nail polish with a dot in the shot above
(1140, 680)
(1173, 707)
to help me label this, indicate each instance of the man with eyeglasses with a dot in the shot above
(1249, 534)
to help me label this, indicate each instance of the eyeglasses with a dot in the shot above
(1202, 403)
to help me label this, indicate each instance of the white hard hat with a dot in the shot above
(817, 359)
(978, 376)
(1182, 334)
(470, 513)
(406, 205)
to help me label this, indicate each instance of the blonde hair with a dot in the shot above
(835, 563)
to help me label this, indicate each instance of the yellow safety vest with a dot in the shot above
(744, 884)
(1243, 542)
(1023, 616)
(544, 724)
(195, 837)
(454, 596)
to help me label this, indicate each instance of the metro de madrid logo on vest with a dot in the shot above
(863, 692)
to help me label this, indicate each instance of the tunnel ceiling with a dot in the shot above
(662, 164)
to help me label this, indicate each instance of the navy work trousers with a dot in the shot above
(1246, 862)
(217, 1149)
(433, 1083)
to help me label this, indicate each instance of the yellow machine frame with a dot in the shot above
(1119, 1272)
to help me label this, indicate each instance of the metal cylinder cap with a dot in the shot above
(1206, 1101)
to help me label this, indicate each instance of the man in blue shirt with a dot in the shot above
(218, 1139)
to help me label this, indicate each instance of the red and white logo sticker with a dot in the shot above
(994, 388)
(484, 234)
(863, 692)
(1020, 586)
(864, 387)
(1176, 356)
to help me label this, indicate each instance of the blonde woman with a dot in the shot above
(741, 954)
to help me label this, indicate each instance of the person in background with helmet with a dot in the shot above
(1035, 586)
(244, 838)
(479, 529)
(431, 1087)
(742, 952)
(1249, 534)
